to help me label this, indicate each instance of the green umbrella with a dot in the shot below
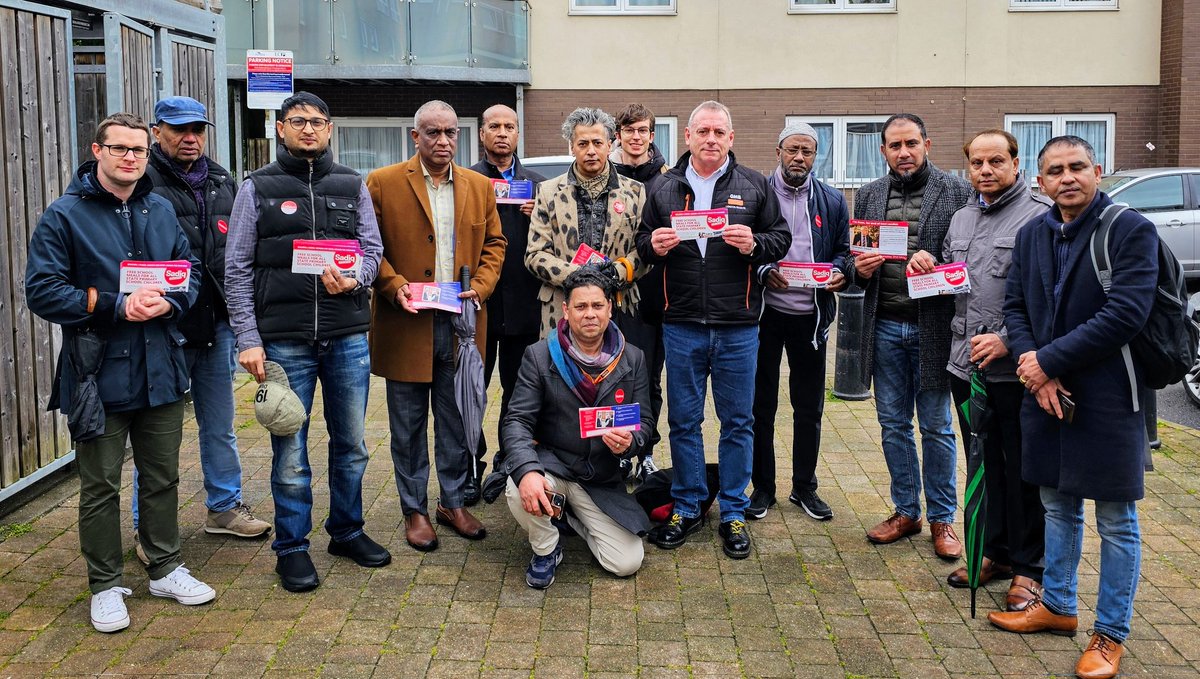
(975, 411)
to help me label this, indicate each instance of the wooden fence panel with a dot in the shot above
(36, 142)
(138, 69)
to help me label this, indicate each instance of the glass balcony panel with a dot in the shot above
(302, 27)
(440, 32)
(370, 32)
(500, 34)
(239, 30)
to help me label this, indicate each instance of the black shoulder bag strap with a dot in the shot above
(1102, 265)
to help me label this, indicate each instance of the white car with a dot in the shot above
(1169, 197)
(548, 166)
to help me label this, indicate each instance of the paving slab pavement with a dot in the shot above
(813, 600)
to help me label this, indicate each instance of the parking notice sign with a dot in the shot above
(268, 78)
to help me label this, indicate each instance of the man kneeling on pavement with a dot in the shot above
(584, 363)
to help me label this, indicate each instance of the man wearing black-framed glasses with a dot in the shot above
(313, 326)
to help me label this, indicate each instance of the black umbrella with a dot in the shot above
(975, 412)
(86, 419)
(469, 390)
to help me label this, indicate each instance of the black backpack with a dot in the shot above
(1165, 348)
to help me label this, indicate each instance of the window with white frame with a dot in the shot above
(367, 144)
(847, 148)
(622, 6)
(795, 6)
(1033, 131)
(666, 131)
(1023, 5)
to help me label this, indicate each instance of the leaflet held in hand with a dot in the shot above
(171, 276)
(586, 254)
(698, 224)
(806, 274)
(515, 192)
(871, 237)
(947, 279)
(623, 417)
(440, 296)
(312, 256)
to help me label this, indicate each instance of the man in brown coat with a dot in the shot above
(435, 217)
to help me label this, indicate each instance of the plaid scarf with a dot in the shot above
(596, 185)
(584, 374)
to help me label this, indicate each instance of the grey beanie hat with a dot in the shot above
(798, 128)
(276, 406)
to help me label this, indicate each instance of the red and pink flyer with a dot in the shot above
(312, 256)
(697, 224)
(586, 254)
(873, 237)
(806, 274)
(947, 279)
(171, 276)
(595, 421)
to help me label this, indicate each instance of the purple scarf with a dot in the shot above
(584, 374)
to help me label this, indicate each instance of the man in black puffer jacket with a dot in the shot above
(710, 317)
(202, 193)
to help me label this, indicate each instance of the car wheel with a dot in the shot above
(1191, 385)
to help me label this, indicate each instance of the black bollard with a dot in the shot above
(849, 380)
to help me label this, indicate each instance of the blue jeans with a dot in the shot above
(211, 371)
(897, 375)
(728, 354)
(343, 365)
(1120, 559)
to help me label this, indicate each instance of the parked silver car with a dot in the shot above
(548, 166)
(1169, 197)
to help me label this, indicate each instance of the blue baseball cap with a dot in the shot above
(180, 111)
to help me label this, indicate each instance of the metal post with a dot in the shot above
(849, 382)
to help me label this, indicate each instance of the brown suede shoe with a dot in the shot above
(419, 532)
(1035, 618)
(462, 522)
(945, 541)
(990, 570)
(1101, 660)
(893, 528)
(1022, 592)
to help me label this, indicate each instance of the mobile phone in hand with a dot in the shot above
(557, 502)
(1067, 406)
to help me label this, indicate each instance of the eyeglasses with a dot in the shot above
(640, 131)
(433, 133)
(298, 123)
(793, 151)
(119, 151)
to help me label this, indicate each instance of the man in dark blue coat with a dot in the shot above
(1068, 334)
(73, 278)
(796, 319)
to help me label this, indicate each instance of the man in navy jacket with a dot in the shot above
(797, 319)
(72, 278)
(1067, 334)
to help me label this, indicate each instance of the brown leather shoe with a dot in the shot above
(1022, 592)
(1101, 660)
(990, 570)
(1035, 618)
(893, 528)
(462, 522)
(945, 541)
(419, 532)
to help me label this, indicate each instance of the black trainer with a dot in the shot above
(674, 533)
(760, 502)
(735, 539)
(362, 550)
(296, 572)
(812, 504)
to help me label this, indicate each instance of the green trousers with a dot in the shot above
(155, 434)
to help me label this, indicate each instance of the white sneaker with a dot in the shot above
(108, 610)
(182, 587)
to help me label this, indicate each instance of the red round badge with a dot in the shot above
(620, 396)
(288, 207)
(619, 207)
(817, 221)
(222, 226)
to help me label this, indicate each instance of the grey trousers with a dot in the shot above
(155, 434)
(408, 417)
